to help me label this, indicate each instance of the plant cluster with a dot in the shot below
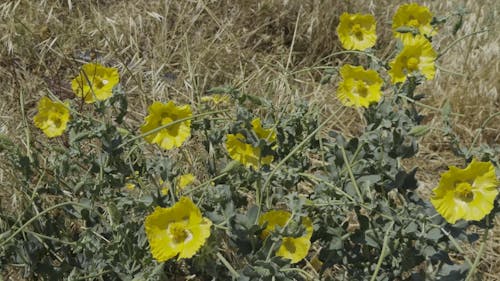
(115, 202)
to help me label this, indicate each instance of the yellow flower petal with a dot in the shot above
(130, 186)
(201, 232)
(161, 114)
(95, 82)
(359, 87)
(417, 56)
(179, 230)
(265, 134)
(357, 31)
(468, 193)
(52, 117)
(293, 248)
(273, 219)
(413, 16)
(185, 180)
(246, 153)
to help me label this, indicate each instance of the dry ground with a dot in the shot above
(180, 49)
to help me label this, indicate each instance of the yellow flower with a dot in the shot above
(182, 182)
(293, 248)
(130, 186)
(417, 56)
(179, 230)
(359, 87)
(162, 114)
(466, 193)
(95, 82)
(216, 98)
(412, 16)
(246, 153)
(52, 117)
(357, 31)
(185, 180)
(265, 134)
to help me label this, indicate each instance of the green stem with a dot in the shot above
(483, 125)
(228, 266)
(312, 177)
(155, 130)
(205, 183)
(449, 71)
(87, 277)
(50, 238)
(383, 252)
(458, 40)
(39, 215)
(479, 255)
(283, 161)
(455, 243)
(354, 52)
(299, 270)
(351, 175)
(429, 106)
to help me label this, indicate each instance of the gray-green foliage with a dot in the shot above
(369, 220)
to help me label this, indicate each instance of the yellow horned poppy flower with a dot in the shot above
(95, 82)
(185, 180)
(179, 230)
(417, 56)
(182, 182)
(413, 16)
(52, 117)
(246, 153)
(161, 114)
(293, 248)
(466, 193)
(357, 31)
(359, 87)
(264, 134)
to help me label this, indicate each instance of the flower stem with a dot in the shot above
(267, 183)
(229, 267)
(337, 189)
(458, 40)
(429, 106)
(383, 252)
(455, 243)
(299, 270)
(478, 257)
(483, 125)
(351, 175)
(39, 215)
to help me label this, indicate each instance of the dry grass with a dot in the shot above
(179, 49)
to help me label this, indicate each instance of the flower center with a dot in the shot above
(412, 64)
(413, 22)
(179, 233)
(362, 90)
(463, 191)
(54, 121)
(99, 83)
(357, 31)
(166, 120)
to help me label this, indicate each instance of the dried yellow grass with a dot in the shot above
(179, 49)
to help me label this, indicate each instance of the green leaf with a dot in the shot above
(419, 131)
(434, 234)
